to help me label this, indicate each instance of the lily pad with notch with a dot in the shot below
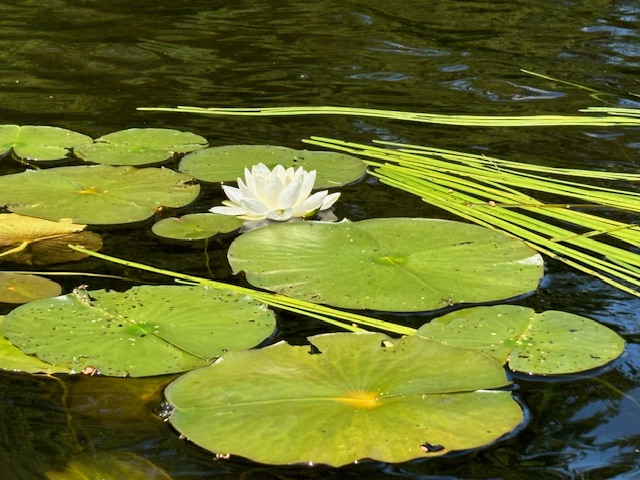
(96, 194)
(40, 143)
(349, 397)
(196, 226)
(227, 163)
(547, 343)
(147, 330)
(140, 146)
(390, 264)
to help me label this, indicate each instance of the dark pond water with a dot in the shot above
(86, 65)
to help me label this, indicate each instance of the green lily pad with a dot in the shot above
(148, 330)
(227, 163)
(13, 359)
(40, 143)
(140, 146)
(364, 396)
(96, 194)
(548, 343)
(23, 288)
(196, 226)
(392, 264)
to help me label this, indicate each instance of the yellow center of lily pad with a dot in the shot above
(361, 399)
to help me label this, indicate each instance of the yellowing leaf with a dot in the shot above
(15, 228)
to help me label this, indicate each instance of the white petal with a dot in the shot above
(280, 215)
(309, 178)
(329, 200)
(235, 211)
(289, 196)
(233, 194)
(272, 192)
(255, 207)
(311, 204)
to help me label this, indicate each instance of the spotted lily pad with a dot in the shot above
(227, 163)
(40, 143)
(392, 264)
(352, 397)
(196, 226)
(140, 146)
(97, 194)
(13, 359)
(24, 287)
(148, 330)
(548, 343)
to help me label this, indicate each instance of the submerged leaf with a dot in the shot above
(548, 343)
(55, 250)
(227, 163)
(144, 331)
(392, 264)
(363, 396)
(109, 465)
(140, 146)
(97, 194)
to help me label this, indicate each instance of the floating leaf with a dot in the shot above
(109, 465)
(144, 331)
(196, 226)
(23, 288)
(13, 359)
(392, 264)
(40, 142)
(224, 164)
(34, 241)
(363, 396)
(16, 228)
(547, 343)
(140, 146)
(96, 194)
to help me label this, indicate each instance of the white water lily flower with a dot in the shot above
(276, 194)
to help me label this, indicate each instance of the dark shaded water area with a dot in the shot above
(86, 65)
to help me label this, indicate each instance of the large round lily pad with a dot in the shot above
(140, 146)
(362, 396)
(547, 343)
(392, 264)
(196, 226)
(40, 143)
(97, 194)
(148, 330)
(227, 163)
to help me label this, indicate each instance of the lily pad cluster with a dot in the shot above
(340, 399)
